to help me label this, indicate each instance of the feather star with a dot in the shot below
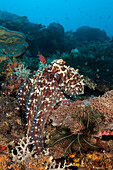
(41, 94)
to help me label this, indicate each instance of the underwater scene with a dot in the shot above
(56, 85)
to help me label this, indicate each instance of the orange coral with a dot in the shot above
(12, 82)
(11, 67)
(3, 161)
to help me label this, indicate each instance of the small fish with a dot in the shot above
(41, 58)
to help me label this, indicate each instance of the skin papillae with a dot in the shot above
(41, 94)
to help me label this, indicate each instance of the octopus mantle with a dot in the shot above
(43, 92)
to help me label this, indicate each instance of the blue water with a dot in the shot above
(69, 13)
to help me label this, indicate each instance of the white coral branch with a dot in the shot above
(23, 151)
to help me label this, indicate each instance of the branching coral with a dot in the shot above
(23, 151)
(24, 154)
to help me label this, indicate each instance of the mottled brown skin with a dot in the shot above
(41, 94)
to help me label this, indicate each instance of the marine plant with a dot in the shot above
(88, 121)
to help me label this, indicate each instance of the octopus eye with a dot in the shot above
(63, 68)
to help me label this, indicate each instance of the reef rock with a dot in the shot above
(86, 33)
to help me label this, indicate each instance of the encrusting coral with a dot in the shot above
(12, 43)
(80, 125)
(104, 105)
(43, 92)
(71, 129)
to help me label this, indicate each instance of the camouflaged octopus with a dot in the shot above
(43, 92)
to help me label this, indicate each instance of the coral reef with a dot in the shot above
(80, 125)
(15, 75)
(72, 129)
(43, 92)
(12, 43)
(95, 53)
(22, 150)
(93, 160)
(12, 127)
(104, 106)
(42, 162)
(77, 129)
(71, 126)
(86, 33)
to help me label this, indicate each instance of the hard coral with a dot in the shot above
(3, 161)
(104, 105)
(80, 125)
(23, 151)
(71, 129)
(16, 74)
(43, 92)
(11, 125)
(12, 43)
